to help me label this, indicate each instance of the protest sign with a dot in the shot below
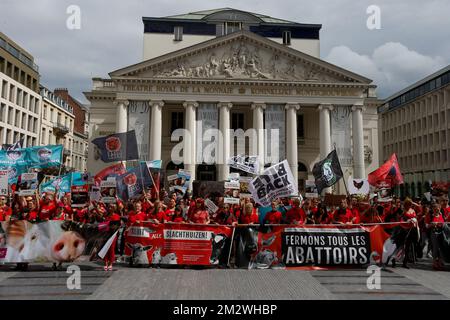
(117, 147)
(244, 192)
(79, 196)
(28, 184)
(180, 181)
(108, 190)
(231, 194)
(358, 186)
(310, 189)
(4, 182)
(275, 182)
(244, 163)
(94, 193)
(211, 206)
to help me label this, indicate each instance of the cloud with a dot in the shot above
(392, 66)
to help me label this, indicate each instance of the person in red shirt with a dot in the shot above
(140, 215)
(226, 216)
(296, 215)
(409, 214)
(67, 207)
(178, 215)
(170, 211)
(81, 214)
(250, 215)
(342, 215)
(48, 208)
(199, 214)
(157, 214)
(273, 216)
(434, 223)
(354, 208)
(60, 213)
(445, 208)
(5, 211)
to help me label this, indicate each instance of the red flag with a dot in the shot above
(116, 169)
(388, 174)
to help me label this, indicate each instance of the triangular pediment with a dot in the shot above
(240, 56)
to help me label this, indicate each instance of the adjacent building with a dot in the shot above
(57, 122)
(80, 129)
(415, 124)
(20, 100)
(232, 70)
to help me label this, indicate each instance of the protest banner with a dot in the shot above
(52, 241)
(79, 196)
(311, 189)
(181, 183)
(62, 183)
(108, 190)
(45, 156)
(244, 163)
(130, 184)
(275, 182)
(327, 172)
(94, 193)
(27, 185)
(178, 244)
(4, 188)
(321, 245)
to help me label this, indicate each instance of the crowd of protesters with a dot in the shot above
(428, 217)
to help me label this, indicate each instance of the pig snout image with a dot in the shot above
(68, 247)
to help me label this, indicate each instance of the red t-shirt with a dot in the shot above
(433, 218)
(81, 215)
(168, 215)
(356, 216)
(158, 216)
(60, 217)
(113, 217)
(200, 216)
(410, 214)
(343, 218)
(5, 212)
(47, 211)
(32, 215)
(248, 219)
(178, 219)
(273, 217)
(295, 215)
(447, 214)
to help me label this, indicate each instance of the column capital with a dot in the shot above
(357, 106)
(327, 106)
(227, 105)
(290, 105)
(190, 103)
(256, 105)
(125, 102)
(156, 103)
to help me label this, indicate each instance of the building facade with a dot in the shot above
(57, 122)
(237, 72)
(80, 129)
(415, 124)
(19, 95)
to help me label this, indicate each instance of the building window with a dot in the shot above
(237, 121)
(300, 127)
(178, 33)
(287, 38)
(177, 121)
(231, 27)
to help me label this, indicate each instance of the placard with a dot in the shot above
(108, 190)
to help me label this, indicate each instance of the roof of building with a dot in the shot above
(201, 15)
(418, 83)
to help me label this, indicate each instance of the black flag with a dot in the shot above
(117, 147)
(328, 171)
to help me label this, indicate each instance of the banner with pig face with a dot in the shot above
(50, 241)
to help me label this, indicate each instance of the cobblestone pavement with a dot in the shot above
(40, 282)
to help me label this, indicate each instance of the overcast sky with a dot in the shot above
(413, 41)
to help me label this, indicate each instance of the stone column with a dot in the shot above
(190, 150)
(258, 125)
(224, 147)
(325, 134)
(291, 138)
(156, 129)
(121, 115)
(358, 142)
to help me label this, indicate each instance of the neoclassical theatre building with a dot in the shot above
(228, 69)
